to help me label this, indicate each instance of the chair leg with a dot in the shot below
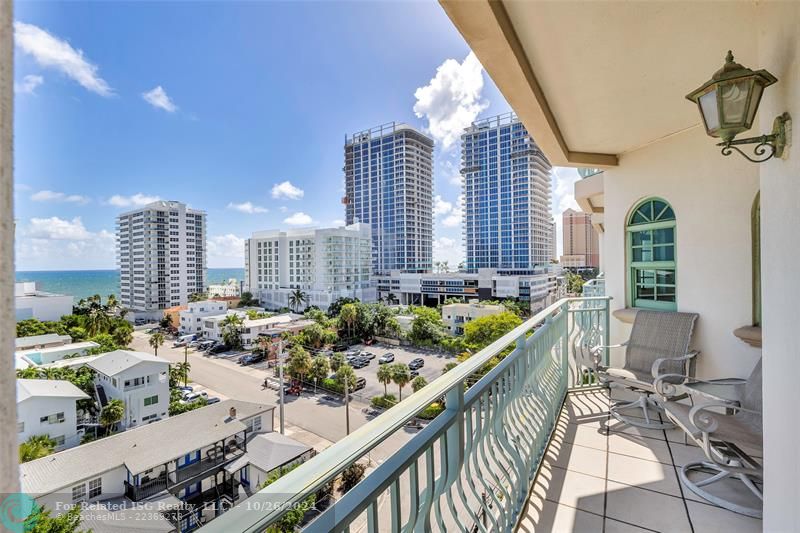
(720, 473)
(644, 402)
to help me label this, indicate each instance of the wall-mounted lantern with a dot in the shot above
(728, 103)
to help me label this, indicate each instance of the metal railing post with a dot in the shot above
(606, 330)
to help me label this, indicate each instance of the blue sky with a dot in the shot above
(239, 109)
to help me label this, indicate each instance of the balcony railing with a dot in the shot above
(595, 287)
(146, 489)
(471, 467)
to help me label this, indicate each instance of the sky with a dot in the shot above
(239, 109)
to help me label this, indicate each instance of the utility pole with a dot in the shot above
(347, 403)
(280, 378)
(185, 362)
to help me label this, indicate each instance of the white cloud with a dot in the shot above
(299, 219)
(453, 219)
(447, 249)
(29, 84)
(287, 190)
(453, 173)
(57, 229)
(247, 207)
(441, 206)
(137, 200)
(452, 99)
(51, 52)
(283, 209)
(158, 98)
(337, 222)
(225, 250)
(53, 196)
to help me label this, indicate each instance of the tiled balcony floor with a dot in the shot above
(600, 475)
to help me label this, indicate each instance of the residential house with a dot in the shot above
(47, 340)
(250, 329)
(192, 315)
(182, 472)
(51, 354)
(139, 379)
(48, 407)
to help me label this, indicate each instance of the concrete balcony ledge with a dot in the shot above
(749, 334)
(627, 315)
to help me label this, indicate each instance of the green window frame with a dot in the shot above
(651, 261)
(151, 400)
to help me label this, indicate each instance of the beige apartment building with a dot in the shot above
(581, 247)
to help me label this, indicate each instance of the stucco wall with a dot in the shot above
(779, 52)
(712, 197)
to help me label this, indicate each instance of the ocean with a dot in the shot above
(84, 283)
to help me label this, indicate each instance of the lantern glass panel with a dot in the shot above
(734, 101)
(708, 104)
(754, 101)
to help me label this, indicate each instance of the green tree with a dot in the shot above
(247, 300)
(352, 475)
(391, 299)
(574, 283)
(312, 336)
(231, 327)
(156, 341)
(483, 331)
(401, 375)
(336, 306)
(165, 322)
(299, 362)
(427, 327)
(385, 376)
(41, 521)
(36, 447)
(183, 369)
(345, 373)
(112, 414)
(448, 367)
(198, 297)
(348, 315)
(121, 332)
(418, 383)
(338, 359)
(320, 368)
(296, 298)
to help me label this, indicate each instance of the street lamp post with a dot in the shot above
(347, 404)
(280, 378)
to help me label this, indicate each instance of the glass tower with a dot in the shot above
(389, 185)
(506, 181)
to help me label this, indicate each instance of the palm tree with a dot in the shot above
(348, 375)
(156, 341)
(231, 330)
(418, 383)
(97, 321)
(391, 298)
(296, 298)
(349, 314)
(401, 375)
(338, 359)
(112, 414)
(385, 375)
(184, 369)
(36, 447)
(299, 363)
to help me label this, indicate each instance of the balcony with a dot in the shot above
(209, 463)
(146, 489)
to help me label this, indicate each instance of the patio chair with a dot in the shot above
(726, 418)
(659, 344)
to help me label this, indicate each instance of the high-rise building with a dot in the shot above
(581, 246)
(553, 241)
(325, 264)
(506, 180)
(161, 252)
(389, 186)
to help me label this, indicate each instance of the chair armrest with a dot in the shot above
(726, 389)
(654, 370)
(707, 421)
(597, 349)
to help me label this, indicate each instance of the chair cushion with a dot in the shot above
(632, 378)
(741, 429)
(656, 335)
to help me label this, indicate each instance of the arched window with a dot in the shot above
(651, 256)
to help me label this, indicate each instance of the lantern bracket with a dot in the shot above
(772, 145)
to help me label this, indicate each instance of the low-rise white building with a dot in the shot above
(30, 302)
(456, 316)
(191, 319)
(139, 379)
(47, 407)
(250, 329)
(180, 473)
(537, 288)
(47, 340)
(325, 264)
(227, 289)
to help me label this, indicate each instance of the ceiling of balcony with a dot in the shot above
(593, 80)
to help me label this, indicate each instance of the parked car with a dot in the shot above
(189, 398)
(212, 399)
(416, 364)
(360, 383)
(414, 373)
(185, 390)
(205, 345)
(359, 362)
(367, 355)
(219, 348)
(251, 359)
(386, 358)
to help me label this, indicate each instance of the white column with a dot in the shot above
(9, 476)
(778, 28)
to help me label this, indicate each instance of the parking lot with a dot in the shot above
(434, 363)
